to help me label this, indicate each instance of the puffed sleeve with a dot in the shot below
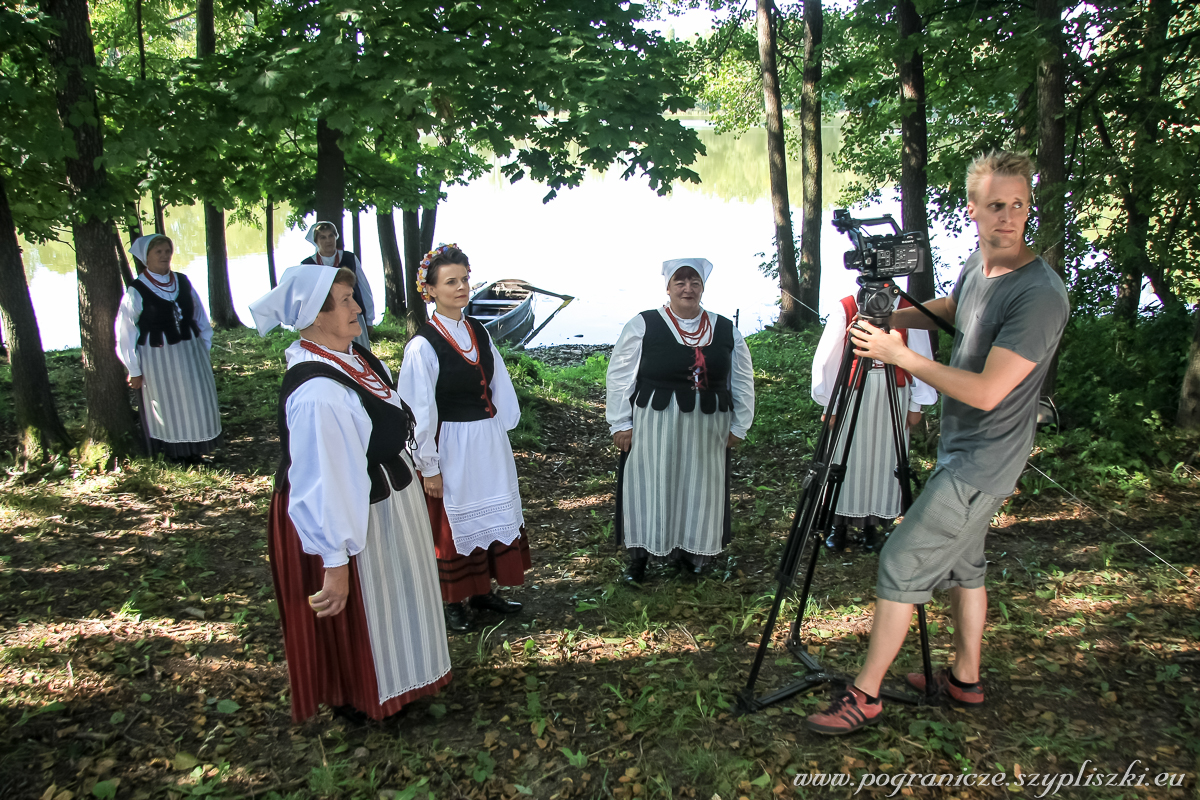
(367, 295)
(504, 396)
(329, 498)
(202, 321)
(741, 384)
(828, 357)
(417, 386)
(922, 393)
(622, 375)
(128, 315)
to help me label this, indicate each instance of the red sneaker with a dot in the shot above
(848, 712)
(971, 696)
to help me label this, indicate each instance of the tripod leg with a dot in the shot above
(926, 659)
(794, 634)
(818, 493)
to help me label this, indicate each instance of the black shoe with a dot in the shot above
(688, 570)
(873, 539)
(836, 541)
(456, 617)
(636, 571)
(494, 602)
(351, 715)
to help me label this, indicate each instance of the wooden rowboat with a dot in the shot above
(505, 308)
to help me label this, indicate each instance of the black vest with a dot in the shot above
(464, 390)
(391, 427)
(158, 321)
(350, 262)
(670, 368)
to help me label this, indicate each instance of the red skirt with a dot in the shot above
(466, 576)
(328, 659)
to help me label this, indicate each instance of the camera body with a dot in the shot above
(884, 255)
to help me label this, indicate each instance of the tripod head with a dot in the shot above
(876, 298)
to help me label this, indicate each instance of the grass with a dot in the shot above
(597, 690)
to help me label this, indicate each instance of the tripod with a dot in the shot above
(819, 493)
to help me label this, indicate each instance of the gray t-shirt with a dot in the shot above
(1023, 311)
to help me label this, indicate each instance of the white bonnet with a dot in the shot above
(311, 235)
(297, 299)
(701, 265)
(141, 245)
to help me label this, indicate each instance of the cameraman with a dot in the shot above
(1010, 309)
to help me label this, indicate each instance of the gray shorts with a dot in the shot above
(940, 542)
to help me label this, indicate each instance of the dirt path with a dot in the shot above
(142, 657)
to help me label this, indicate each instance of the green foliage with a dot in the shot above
(785, 415)
(1118, 385)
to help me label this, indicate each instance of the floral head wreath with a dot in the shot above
(423, 270)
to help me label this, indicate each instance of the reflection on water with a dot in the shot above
(603, 242)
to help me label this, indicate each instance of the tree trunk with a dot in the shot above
(393, 268)
(133, 222)
(270, 226)
(810, 137)
(109, 418)
(206, 29)
(1134, 255)
(785, 243)
(356, 235)
(160, 214)
(412, 261)
(331, 177)
(39, 429)
(1051, 153)
(141, 34)
(914, 143)
(428, 223)
(127, 276)
(220, 297)
(1189, 396)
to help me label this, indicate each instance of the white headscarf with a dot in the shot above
(702, 265)
(311, 235)
(141, 245)
(297, 299)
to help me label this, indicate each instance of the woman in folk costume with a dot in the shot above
(324, 237)
(354, 572)
(163, 339)
(464, 403)
(680, 395)
(870, 493)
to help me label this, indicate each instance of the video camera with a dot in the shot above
(884, 256)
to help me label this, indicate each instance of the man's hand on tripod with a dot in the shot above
(877, 344)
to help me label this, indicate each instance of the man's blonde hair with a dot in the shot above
(999, 162)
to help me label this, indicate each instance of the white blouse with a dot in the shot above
(418, 382)
(480, 491)
(130, 312)
(362, 282)
(627, 356)
(828, 358)
(330, 492)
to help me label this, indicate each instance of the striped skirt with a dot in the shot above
(388, 647)
(179, 397)
(673, 485)
(871, 488)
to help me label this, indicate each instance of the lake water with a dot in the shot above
(603, 242)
